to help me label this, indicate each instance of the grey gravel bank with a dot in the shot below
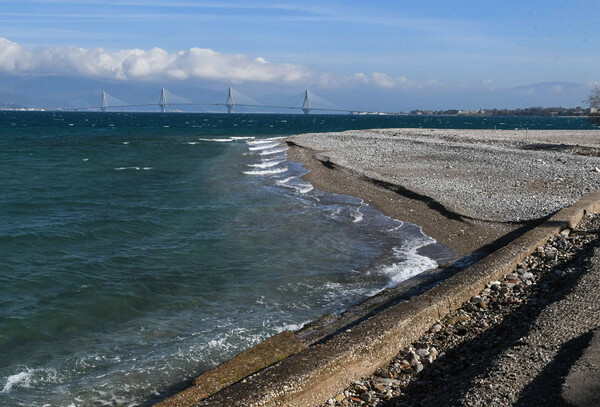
(516, 343)
(489, 175)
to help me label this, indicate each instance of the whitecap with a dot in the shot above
(21, 379)
(192, 142)
(411, 263)
(263, 146)
(273, 151)
(263, 141)
(267, 172)
(266, 164)
(217, 140)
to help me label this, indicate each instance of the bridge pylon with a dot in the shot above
(163, 101)
(103, 103)
(306, 105)
(230, 102)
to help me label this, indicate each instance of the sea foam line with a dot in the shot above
(273, 151)
(267, 172)
(266, 164)
(263, 146)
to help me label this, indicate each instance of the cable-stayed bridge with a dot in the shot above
(230, 103)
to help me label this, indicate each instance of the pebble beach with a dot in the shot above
(515, 342)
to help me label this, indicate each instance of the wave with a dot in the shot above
(267, 172)
(133, 168)
(300, 187)
(225, 140)
(266, 164)
(28, 377)
(273, 151)
(410, 262)
(264, 141)
(263, 146)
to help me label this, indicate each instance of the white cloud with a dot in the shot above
(195, 63)
(156, 63)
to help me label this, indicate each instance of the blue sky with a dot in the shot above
(423, 49)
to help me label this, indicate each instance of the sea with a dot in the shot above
(138, 250)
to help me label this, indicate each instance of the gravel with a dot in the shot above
(512, 344)
(491, 175)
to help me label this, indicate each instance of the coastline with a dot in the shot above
(463, 237)
(452, 226)
(412, 175)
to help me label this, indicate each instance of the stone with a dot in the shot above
(436, 328)
(422, 353)
(433, 352)
(340, 397)
(366, 397)
(387, 382)
(456, 319)
(419, 367)
(412, 358)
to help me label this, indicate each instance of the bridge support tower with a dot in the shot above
(163, 101)
(306, 105)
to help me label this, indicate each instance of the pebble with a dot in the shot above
(463, 325)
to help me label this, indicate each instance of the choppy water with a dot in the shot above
(137, 250)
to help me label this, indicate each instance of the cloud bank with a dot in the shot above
(158, 64)
(137, 64)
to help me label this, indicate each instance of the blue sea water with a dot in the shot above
(138, 250)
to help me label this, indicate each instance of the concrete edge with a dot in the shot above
(317, 373)
(264, 354)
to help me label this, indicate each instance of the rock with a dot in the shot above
(360, 388)
(340, 397)
(565, 233)
(331, 402)
(387, 382)
(366, 397)
(428, 360)
(412, 358)
(422, 353)
(419, 367)
(456, 319)
(433, 352)
(436, 328)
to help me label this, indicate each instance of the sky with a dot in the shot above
(386, 55)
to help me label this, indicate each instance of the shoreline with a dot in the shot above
(453, 226)
(463, 236)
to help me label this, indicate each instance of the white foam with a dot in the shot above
(266, 164)
(126, 142)
(263, 146)
(29, 377)
(357, 216)
(267, 172)
(301, 187)
(273, 151)
(192, 142)
(411, 263)
(21, 379)
(217, 140)
(263, 141)
(242, 138)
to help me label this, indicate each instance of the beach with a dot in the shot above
(516, 199)
(466, 188)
